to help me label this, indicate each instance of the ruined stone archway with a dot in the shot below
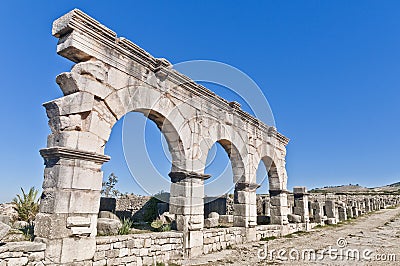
(112, 77)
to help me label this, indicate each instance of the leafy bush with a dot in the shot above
(27, 205)
(126, 227)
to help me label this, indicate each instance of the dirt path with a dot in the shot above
(373, 239)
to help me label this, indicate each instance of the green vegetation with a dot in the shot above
(126, 227)
(158, 226)
(268, 238)
(27, 205)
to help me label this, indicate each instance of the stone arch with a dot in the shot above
(156, 107)
(277, 179)
(267, 154)
(233, 144)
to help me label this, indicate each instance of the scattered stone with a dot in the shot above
(167, 218)
(5, 219)
(106, 226)
(293, 218)
(4, 229)
(20, 225)
(211, 222)
(213, 215)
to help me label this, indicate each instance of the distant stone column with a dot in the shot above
(279, 206)
(331, 211)
(187, 203)
(342, 211)
(367, 204)
(318, 212)
(301, 203)
(70, 202)
(349, 211)
(354, 209)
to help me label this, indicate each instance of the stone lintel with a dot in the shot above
(276, 192)
(67, 153)
(181, 175)
(246, 186)
(76, 20)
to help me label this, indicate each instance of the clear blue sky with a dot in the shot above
(329, 69)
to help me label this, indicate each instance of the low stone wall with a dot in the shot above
(22, 253)
(217, 239)
(138, 249)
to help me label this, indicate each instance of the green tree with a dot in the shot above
(27, 205)
(108, 187)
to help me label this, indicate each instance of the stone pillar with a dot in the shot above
(279, 207)
(69, 205)
(318, 212)
(301, 203)
(187, 203)
(342, 211)
(245, 205)
(355, 210)
(349, 212)
(367, 205)
(331, 211)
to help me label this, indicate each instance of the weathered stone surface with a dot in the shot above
(5, 219)
(226, 219)
(211, 222)
(106, 226)
(213, 215)
(108, 215)
(4, 228)
(20, 224)
(293, 218)
(111, 78)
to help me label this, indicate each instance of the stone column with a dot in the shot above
(330, 210)
(301, 203)
(245, 205)
(69, 205)
(342, 211)
(318, 211)
(245, 208)
(349, 212)
(187, 203)
(279, 207)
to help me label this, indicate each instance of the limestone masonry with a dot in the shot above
(113, 76)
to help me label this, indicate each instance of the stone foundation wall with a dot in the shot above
(140, 249)
(221, 238)
(22, 253)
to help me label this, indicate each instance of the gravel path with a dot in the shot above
(373, 239)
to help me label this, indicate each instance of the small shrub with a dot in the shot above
(27, 205)
(268, 238)
(126, 227)
(28, 232)
(159, 226)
